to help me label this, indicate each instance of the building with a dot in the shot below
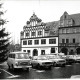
(69, 33)
(37, 39)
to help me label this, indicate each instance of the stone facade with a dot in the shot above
(69, 34)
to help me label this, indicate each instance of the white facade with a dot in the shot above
(35, 40)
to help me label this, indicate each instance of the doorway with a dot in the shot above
(35, 52)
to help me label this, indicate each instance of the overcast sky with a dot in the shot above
(20, 11)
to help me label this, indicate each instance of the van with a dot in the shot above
(18, 60)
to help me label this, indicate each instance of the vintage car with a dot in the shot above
(41, 61)
(70, 59)
(77, 58)
(18, 60)
(57, 61)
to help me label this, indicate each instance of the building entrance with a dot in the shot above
(64, 50)
(78, 50)
(35, 52)
(71, 52)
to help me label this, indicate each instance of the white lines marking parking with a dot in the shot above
(57, 67)
(75, 76)
(7, 72)
(68, 65)
(40, 71)
(12, 76)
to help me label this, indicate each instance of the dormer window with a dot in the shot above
(27, 34)
(65, 17)
(39, 32)
(33, 33)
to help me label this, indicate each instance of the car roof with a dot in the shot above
(17, 52)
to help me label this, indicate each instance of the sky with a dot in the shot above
(19, 12)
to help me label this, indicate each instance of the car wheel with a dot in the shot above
(9, 67)
(32, 65)
(13, 67)
(55, 64)
(49, 67)
(38, 66)
(63, 65)
(27, 69)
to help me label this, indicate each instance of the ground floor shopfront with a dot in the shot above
(40, 50)
(69, 50)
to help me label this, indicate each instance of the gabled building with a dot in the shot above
(37, 38)
(69, 33)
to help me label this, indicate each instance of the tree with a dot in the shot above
(4, 40)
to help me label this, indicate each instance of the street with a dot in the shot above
(54, 73)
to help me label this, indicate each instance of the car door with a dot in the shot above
(34, 61)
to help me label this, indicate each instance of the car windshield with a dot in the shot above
(41, 58)
(22, 56)
(53, 57)
(50, 57)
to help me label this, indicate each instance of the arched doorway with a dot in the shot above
(71, 52)
(35, 52)
(64, 50)
(78, 50)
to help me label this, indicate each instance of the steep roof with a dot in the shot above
(53, 27)
(76, 18)
(34, 17)
(53, 24)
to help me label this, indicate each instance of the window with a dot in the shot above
(52, 41)
(36, 42)
(39, 32)
(73, 40)
(29, 42)
(67, 40)
(52, 50)
(28, 51)
(65, 16)
(12, 55)
(63, 40)
(74, 30)
(43, 41)
(33, 33)
(22, 56)
(61, 23)
(27, 34)
(24, 50)
(24, 42)
(63, 31)
(42, 52)
(67, 30)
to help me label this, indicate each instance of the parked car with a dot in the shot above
(57, 61)
(70, 59)
(18, 60)
(77, 58)
(41, 61)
